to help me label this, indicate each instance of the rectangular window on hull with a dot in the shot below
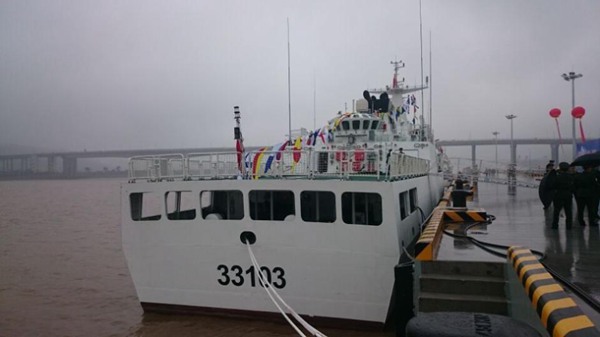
(414, 201)
(272, 205)
(145, 206)
(179, 205)
(403, 210)
(317, 206)
(361, 208)
(222, 205)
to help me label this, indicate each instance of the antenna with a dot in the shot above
(289, 87)
(421, 40)
(314, 100)
(430, 88)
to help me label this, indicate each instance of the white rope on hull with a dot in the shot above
(268, 288)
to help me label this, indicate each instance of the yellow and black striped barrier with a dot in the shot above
(465, 215)
(428, 243)
(559, 314)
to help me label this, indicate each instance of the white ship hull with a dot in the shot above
(330, 270)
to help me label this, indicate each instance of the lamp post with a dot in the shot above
(495, 133)
(513, 155)
(512, 170)
(572, 76)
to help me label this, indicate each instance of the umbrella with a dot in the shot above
(592, 159)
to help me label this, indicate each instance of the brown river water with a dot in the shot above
(62, 271)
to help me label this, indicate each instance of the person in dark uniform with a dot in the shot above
(585, 196)
(562, 187)
(544, 189)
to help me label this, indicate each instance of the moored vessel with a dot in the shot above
(327, 215)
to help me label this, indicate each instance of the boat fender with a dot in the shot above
(351, 139)
(467, 324)
(247, 236)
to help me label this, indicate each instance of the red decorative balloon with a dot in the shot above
(555, 113)
(578, 112)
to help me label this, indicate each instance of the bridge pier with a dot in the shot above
(69, 167)
(51, 164)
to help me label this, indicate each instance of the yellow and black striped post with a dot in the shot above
(465, 215)
(428, 243)
(559, 314)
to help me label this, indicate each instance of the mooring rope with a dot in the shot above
(268, 288)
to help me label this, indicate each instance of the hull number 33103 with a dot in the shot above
(237, 276)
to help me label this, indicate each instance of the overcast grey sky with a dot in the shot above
(84, 74)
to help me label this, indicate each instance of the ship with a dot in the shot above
(321, 218)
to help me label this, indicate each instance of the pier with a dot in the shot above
(457, 274)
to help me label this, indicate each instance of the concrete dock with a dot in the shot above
(521, 221)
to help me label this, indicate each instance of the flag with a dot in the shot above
(280, 149)
(296, 153)
(256, 163)
(322, 134)
(269, 162)
(297, 148)
(315, 136)
(239, 149)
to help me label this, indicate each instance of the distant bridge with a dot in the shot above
(473, 143)
(64, 164)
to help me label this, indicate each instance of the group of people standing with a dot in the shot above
(559, 186)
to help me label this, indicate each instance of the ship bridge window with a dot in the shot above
(414, 201)
(374, 125)
(403, 209)
(271, 205)
(317, 206)
(180, 205)
(222, 205)
(366, 125)
(345, 125)
(356, 124)
(145, 206)
(361, 208)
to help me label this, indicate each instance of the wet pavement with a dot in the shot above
(520, 220)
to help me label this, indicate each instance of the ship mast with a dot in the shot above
(397, 65)
(239, 140)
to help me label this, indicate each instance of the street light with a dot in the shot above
(572, 76)
(513, 154)
(495, 133)
(512, 171)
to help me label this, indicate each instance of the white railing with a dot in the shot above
(341, 164)
(157, 167)
(403, 165)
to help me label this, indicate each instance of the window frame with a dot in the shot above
(368, 208)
